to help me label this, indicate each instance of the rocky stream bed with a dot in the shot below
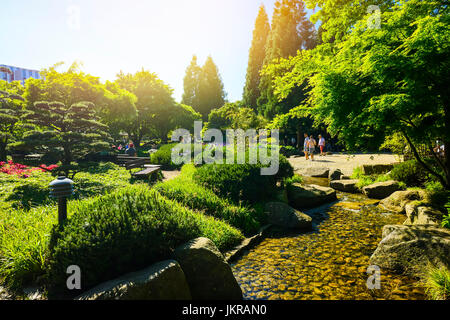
(329, 262)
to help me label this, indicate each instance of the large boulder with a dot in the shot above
(316, 172)
(381, 190)
(335, 174)
(397, 201)
(162, 281)
(411, 249)
(309, 196)
(282, 215)
(349, 186)
(369, 169)
(208, 275)
(417, 214)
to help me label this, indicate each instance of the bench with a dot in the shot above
(147, 170)
(123, 159)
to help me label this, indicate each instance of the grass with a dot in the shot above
(437, 283)
(366, 180)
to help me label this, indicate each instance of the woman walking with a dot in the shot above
(306, 146)
(312, 147)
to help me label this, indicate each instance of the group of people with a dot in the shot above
(129, 149)
(309, 146)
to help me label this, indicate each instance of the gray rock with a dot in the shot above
(162, 281)
(282, 215)
(369, 169)
(335, 174)
(397, 201)
(317, 172)
(381, 190)
(309, 196)
(345, 186)
(411, 249)
(418, 214)
(208, 275)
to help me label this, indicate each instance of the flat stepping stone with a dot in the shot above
(381, 190)
(349, 186)
(309, 196)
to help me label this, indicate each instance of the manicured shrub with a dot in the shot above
(191, 194)
(125, 231)
(242, 182)
(164, 157)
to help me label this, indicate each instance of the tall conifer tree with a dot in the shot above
(191, 83)
(291, 31)
(256, 59)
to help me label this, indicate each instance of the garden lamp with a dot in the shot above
(61, 189)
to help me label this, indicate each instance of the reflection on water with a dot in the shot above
(328, 263)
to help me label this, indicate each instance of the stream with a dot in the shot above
(330, 262)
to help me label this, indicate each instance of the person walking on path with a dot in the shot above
(321, 145)
(312, 147)
(306, 146)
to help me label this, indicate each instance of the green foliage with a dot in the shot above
(410, 172)
(24, 240)
(203, 87)
(186, 191)
(256, 59)
(446, 221)
(72, 131)
(437, 283)
(69, 87)
(11, 111)
(164, 157)
(378, 81)
(291, 31)
(291, 180)
(395, 143)
(233, 116)
(288, 151)
(155, 105)
(242, 182)
(127, 230)
(20, 193)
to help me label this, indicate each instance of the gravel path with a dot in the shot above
(340, 161)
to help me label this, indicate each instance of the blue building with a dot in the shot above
(18, 74)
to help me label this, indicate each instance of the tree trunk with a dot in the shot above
(3, 155)
(443, 179)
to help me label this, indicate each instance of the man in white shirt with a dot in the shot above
(321, 145)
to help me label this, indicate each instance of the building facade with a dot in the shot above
(18, 74)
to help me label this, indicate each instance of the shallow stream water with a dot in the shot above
(328, 263)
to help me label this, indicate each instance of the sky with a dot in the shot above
(108, 36)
